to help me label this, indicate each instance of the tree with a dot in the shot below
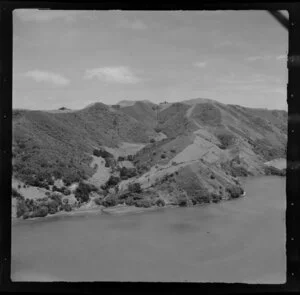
(82, 192)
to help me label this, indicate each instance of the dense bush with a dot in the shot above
(143, 203)
(160, 202)
(216, 198)
(41, 211)
(57, 197)
(130, 201)
(200, 198)
(234, 191)
(126, 173)
(226, 139)
(110, 201)
(102, 153)
(71, 178)
(270, 170)
(62, 190)
(120, 159)
(135, 188)
(239, 171)
(16, 194)
(130, 158)
(21, 207)
(83, 191)
(182, 201)
(98, 201)
(112, 181)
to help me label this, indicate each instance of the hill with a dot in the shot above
(143, 154)
(60, 144)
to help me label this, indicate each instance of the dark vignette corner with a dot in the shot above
(6, 142)
(293, 151)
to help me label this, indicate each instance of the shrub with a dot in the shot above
(112, 181)
(129, 201)
(163, 156)
(120, 159)
(71, 178)
(212, 176)
(67, 207)
(66, 192)
(157, 129)
(216, 198)
(65, 201)
(21, 207)
(26, 215)
(126, 173)
(41, 211)
(102, 153)
(239, 171)
(152, 140)
(110, 201)
(270, 170)
(173, 151)
(16, 194)
(52, 210)
(57, 197)
(234, 191)
(83, 190)
(143, 203)
(226, 139)
(182, 201)
(130, 158)
(160, 202)
(98, 201)
(135, 188)
(125, 195)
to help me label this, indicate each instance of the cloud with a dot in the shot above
(120, 74)
(133, 25)
(41, 15)
(258, 57)
(43, 76)
(201, 64)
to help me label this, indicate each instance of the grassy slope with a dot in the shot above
(196, 138)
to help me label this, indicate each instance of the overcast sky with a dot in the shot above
(74, 58)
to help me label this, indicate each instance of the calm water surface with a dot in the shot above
(241, 240)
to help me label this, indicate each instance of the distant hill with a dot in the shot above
(143, 112)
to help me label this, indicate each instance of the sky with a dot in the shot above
(74, 58)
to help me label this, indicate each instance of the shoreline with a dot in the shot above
(114, 211)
